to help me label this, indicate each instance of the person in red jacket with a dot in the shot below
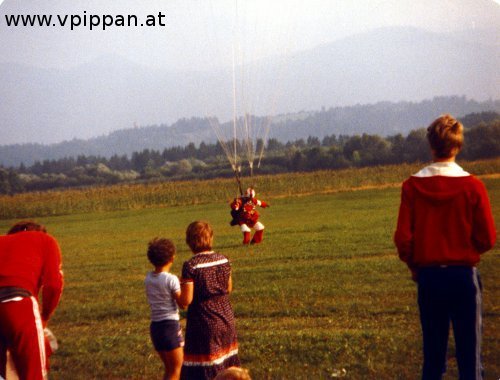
(444, 225)
(30, 262)
(244, 213)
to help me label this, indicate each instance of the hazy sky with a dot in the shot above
(193, 27)
(195, 35)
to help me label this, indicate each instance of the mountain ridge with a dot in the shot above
(382, 118)
(386, 64)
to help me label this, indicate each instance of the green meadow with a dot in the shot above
(324, 294)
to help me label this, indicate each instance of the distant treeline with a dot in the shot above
(381, 118)
(482, 140)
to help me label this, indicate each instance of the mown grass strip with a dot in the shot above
(182, 193)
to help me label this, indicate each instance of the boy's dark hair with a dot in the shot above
(161, 251)
(26, 225)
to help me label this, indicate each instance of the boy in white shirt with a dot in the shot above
(164, 295)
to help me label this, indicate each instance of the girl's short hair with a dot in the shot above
(161, 251)
(445, 136)
(26, 225)
(199, 236)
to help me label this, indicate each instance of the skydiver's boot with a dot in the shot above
(246, 237)
(257, 237)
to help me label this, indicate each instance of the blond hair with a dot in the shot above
(199, 236)
(445, 136)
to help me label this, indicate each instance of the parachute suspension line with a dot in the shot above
(213, 43)
(241, 118)
(254, 76)
(253, 92)
(227, 150)
(250, 163)
(245, 82)
(236, 46)
(249, 142)
(278, 90)
(240, 88)
(255, 73)
(250, 80)
(237, 174)
(225, 145)
(235, 116)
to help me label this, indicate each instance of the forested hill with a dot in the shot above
(383, 119)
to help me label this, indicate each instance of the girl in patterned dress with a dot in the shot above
(210, 343)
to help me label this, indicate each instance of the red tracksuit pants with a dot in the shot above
(21, 332)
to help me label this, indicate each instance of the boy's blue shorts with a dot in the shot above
(166, 335)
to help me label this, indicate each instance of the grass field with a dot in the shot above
(324, 292)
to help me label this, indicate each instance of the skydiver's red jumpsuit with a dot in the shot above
(243, 210)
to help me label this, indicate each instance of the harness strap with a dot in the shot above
(9, 292)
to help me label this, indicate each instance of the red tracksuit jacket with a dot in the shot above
(32, 260)
(444, 221)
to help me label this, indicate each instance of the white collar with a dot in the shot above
(445, 169)
(205, 253)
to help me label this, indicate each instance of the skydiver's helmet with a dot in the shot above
(250, 193)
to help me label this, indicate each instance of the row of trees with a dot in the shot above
(208, 160)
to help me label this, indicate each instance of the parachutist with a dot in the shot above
(244, 213)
